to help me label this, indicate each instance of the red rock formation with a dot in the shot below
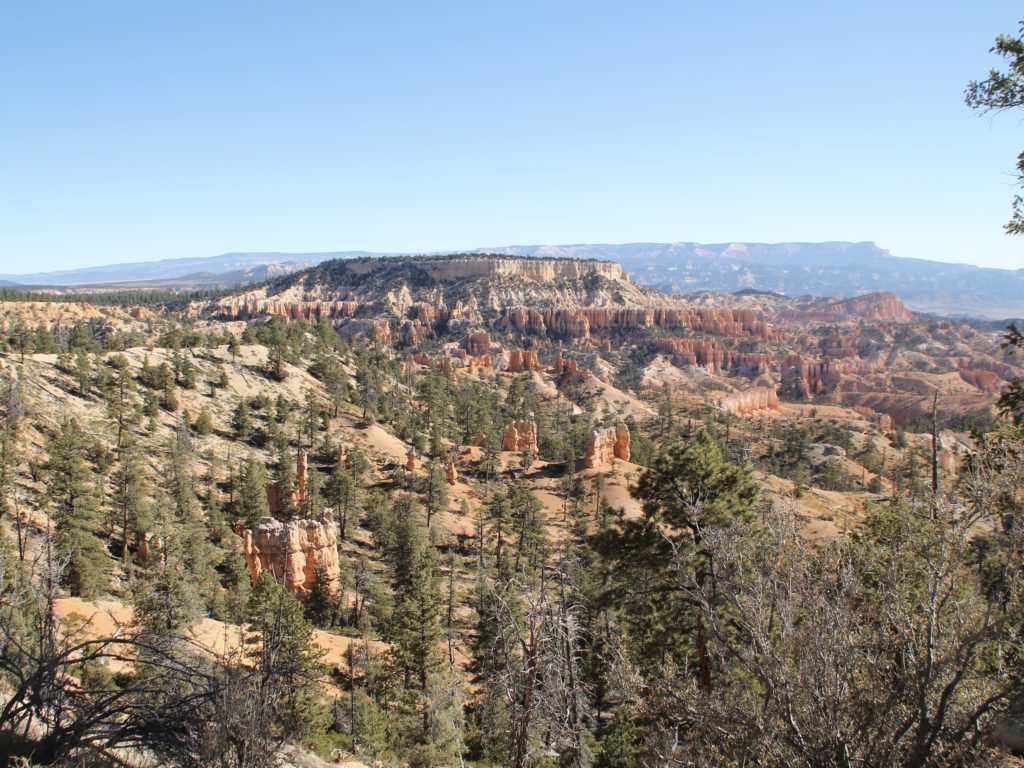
(882, 421)
(805, 380)
(580, 323)
(607, 444)
(750, 400)
(522, 360)
(427, 314)
(477, 343)
(521, 436)
(450, 473)
(1004, 371)
(708, 353)
(291, 551)
(838, 347)
(410, 460)
(984, 381)
(275, 494)
(146, 544)
(565, 366)
(380, 332)
(412, 332)
(881, 307)
(244, 307)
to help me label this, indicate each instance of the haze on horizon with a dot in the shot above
(138, 133)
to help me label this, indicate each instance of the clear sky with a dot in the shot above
(144, 130)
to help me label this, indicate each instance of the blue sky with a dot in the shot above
(137, 131)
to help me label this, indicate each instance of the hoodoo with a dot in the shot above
(607, 444)
(290, 551)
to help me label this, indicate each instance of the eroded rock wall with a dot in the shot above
(750, 401)
(291, 550)
(580, 323)
(607, 444)
(521, 436)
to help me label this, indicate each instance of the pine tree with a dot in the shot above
(233, 347)
(241, 421)
(435, 490)
(427, 696)
(71, 490)
(204, 422)
(495, 654)
(276, 341)
(342, 493)
(197, 553)
(83, 372)
(281, 647)
(285, 478)
(250, 502)
(369, 726)
(690, 490)
(166, 387)
(166, 595)
(236, 580)
(11, 415)
(323, 604)
(129, 504)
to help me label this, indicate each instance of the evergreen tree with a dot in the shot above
(435, 490)
(276, 341)
(204, 422)
(167, 388)
(129, 503)
(11, 416)
(690, 490)
(285, 478)
(236, 580)
(369, 726)
(250, 498)
(166, 595)
(323, 603)
(233, 347)
(196, 551)
(427, 696)
(241, 421)
(72, 492)
(282, 649)
(495, 655)
(342, 492)
(83, 372)
(118, 391)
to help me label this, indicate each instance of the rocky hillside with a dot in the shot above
(417, 449)
(869, 351)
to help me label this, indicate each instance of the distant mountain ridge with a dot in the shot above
(839, 269)
(820, 269)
